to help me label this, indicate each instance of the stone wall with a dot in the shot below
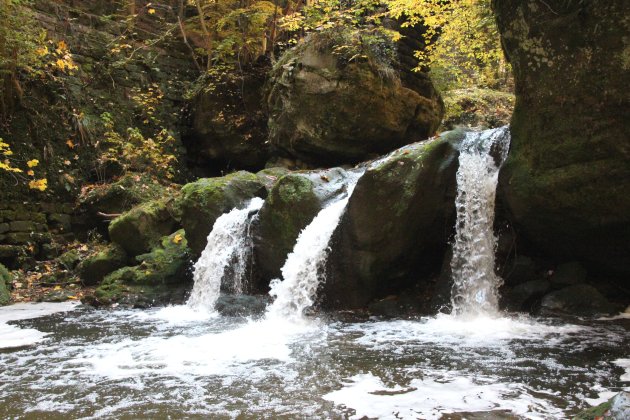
(33, 231)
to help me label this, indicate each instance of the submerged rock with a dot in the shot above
(330, 105)
(525, 295)
(567, 178)
(292, 204)
(580, 299)
(161, 276)
(396, 225)
(203, 201)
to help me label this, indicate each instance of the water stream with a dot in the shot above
(226, 255)
(475, 284)
(182, 362)
(304, 269)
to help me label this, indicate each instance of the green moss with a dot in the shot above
(142, 227)
(94, 268)
(203, 201)
(5, 282)
(594, 412)
(164, 267)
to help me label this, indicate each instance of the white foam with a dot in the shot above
(480, 331)
(32, 310)
(436, 394)
(624, 363)
(222, 353)
(12, 336)
(623, 315)
(178, 314)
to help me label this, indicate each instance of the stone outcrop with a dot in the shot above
(327, 107)
(159, 277)
(292, 204)
(204, 200)
(396, 225)
(139, 229)
(228, 127)
(567, 178)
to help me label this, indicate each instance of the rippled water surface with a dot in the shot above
(179, 363)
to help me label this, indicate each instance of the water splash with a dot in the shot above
(475, 284)
(304, 269)
(227, 252)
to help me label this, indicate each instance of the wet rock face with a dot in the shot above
(396, 225)
(330, 109)
(204, 200)
(567, 179)
(228, 126)
(292, 204)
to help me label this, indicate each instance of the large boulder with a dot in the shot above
(228, 125)
(567, 178)
(394, 231)
(203, 201)
(162, 276)
(338, 97)
(138, 230)
(292, 204)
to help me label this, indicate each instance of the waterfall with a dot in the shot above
(475, 284)
(226, 255)
(304, 268)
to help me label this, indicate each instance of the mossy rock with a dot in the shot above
(396, 226)
(327, 107)
(203, 201)
(142, 227)
(94, 268)
(567, 178)
(270, 176)
(5, 284)
(161, 276)
(70, 259)
(292, 204)
(128, 191)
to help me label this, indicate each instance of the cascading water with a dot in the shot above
(229, 247)
(475, 284)
(303, 271)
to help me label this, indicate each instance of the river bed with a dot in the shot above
(176, 362)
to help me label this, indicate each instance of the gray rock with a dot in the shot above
(580, 299)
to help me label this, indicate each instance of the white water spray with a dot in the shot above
(304, 269)
(475, 284)
(229, 247)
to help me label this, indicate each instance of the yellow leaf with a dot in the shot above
(57, 288)
(32, 163)
(72, 297)
(66, 162)
(177, 238)
(62, 45)
(31, 173)
(151, 11)
(70, 144)
(39, 184)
